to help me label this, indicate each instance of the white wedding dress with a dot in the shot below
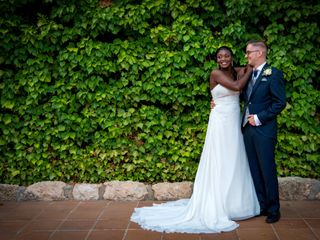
(223, 189)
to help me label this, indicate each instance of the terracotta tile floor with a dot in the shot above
(109, 220)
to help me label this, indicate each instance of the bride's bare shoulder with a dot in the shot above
(215, 73)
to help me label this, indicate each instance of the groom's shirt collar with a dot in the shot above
(260, 67)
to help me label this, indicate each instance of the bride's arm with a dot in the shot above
(217, 76)
(240, 71)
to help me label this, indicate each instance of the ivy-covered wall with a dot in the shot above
(94, 91)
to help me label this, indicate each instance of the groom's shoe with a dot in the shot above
(273, 217)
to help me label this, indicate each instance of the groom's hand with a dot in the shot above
(251, 120)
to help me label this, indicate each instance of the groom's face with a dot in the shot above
(252, 53)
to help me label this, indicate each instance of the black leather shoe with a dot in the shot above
(273, 217)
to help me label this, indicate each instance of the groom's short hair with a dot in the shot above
(259, 43)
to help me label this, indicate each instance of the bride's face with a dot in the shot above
(224, 58)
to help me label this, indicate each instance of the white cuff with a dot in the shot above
(256, 120)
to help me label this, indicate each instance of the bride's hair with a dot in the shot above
(234, 73)
(223, 48)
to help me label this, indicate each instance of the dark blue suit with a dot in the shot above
(267, 100)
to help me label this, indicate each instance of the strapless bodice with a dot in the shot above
(221, 94)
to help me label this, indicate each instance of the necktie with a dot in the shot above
(252, 81)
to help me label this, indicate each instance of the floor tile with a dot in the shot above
(33, 205)
(118, 213)
(313, 222)
(21, 215)
(314, 225)
(94, 204)
(76, 225)
(296, 234)
(54, 214)
(106, 235)
(307, 209)
(111, 220)
(178, 236)
(256, 234)
(12, 226)
(69, 235)
(123, 206)
(290, 224)
(34, 235)
(316, 232)
(112, 223)
(8, 235)
(287, 211)
(220, 236)
(142, 235)
(42, 225)
(8, 205)
(134, 226)
(69, 204)
(146, 204)
(84, 214)
(256, 222)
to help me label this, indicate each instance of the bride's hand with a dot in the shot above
(248, 68)
(212, 104)
(241, 71)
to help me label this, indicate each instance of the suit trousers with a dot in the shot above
(261, 157)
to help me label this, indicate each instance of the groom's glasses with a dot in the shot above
(249, 52)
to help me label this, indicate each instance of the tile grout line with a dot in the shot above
(275, 232)
(97, 219)
(314, 233)
(33, 219)
(237, 233)
(63, 220)
(127, 228)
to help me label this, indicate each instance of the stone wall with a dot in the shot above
(291, 188)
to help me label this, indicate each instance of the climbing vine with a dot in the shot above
(94, 91)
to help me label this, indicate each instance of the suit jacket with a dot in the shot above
(267, 100)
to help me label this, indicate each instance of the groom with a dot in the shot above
(264, 99)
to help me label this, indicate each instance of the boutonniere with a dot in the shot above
(267, 72)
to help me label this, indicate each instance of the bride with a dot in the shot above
(223, 189)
